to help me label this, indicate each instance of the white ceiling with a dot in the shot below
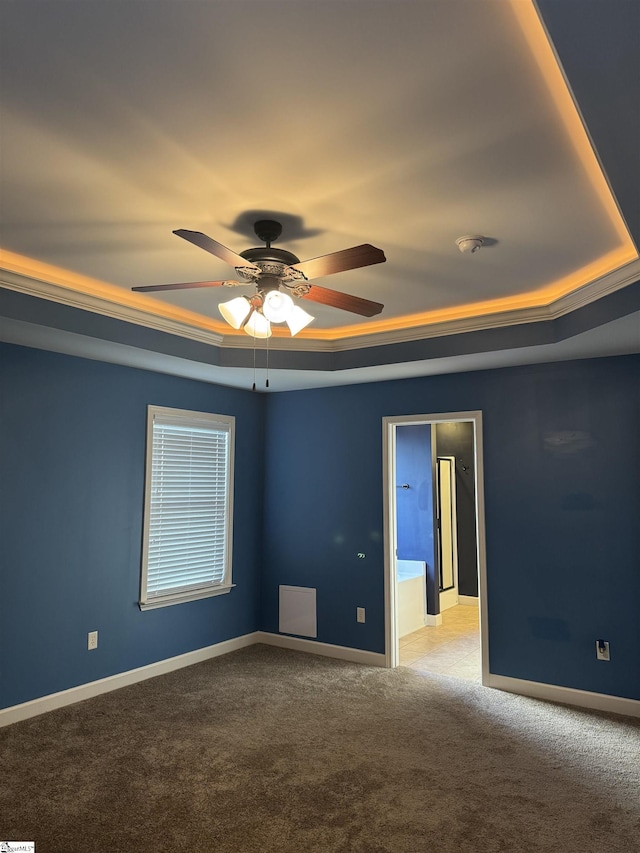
(399, 123)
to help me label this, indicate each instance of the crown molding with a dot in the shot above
(106, 307)
(583, 296)
(580, 298)
(597, 289)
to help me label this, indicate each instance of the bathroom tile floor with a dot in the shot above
(452, 648)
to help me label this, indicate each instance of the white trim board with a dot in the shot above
(67, 292)
(26, 710)
(325, 649)
(566, 695)
(468, 599)
(537, 690)
(33, 708)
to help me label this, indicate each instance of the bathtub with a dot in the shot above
(411, 595)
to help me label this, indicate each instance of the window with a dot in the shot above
(188, 506)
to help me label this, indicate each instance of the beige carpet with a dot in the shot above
(272, 750)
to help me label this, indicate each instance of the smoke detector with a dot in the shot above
(470, 244)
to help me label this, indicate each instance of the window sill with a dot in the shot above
(166, 601)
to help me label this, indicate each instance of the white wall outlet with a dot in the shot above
(360, 614)
(92, 640)
(602, 650)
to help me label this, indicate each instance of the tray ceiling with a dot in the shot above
(401, 124)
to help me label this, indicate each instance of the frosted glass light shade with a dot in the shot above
(298, 319)
(258, 326)
(236, 311)
(277, 306)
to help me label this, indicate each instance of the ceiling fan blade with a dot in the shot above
(364, 307)
(184, 285)
(203, 242)
(347, 259)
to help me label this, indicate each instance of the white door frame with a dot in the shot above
(389, 425)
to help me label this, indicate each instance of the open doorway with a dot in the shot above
(435, 574)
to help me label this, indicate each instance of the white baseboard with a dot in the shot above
(448, 598)
(325, 649)
(433, 621)
(537, 690)
(104, 685)
(468, 599)
(566, 695)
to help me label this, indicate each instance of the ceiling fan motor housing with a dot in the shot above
(271, 262)
(266, 283)
(264, 255)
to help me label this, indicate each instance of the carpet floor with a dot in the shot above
(267, 749)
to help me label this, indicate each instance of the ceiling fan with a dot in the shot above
(277, 276)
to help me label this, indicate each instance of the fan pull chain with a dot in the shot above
(254, 365)
(267, 382)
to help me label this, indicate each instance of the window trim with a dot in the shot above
(190, 418)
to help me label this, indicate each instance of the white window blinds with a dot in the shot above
(188, 506)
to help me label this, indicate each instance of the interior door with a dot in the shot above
(447, 527)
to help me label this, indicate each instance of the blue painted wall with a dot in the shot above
(323, 506)
(72, 454)
(562, 498)
(414, 506)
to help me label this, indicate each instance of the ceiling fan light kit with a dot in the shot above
(236, 311)
(298, 319)
(278, 275)
(277, 306)
(470, 243)
(258, 326)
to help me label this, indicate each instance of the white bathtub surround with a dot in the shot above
(411, 578)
